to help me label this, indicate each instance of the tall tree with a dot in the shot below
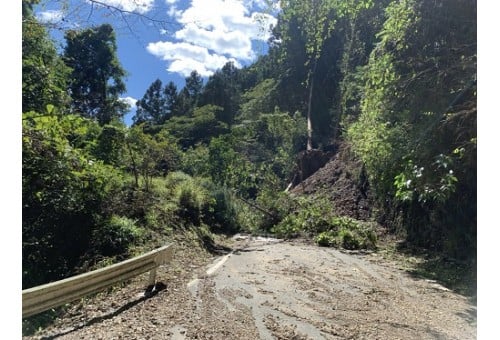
(152, 108)
(171, 97)
(44, 74)
(189, 96)
(97, 77)
(223, 89)
(315, 21)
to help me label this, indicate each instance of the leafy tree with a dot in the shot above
(231, 169)
(272, 140)
(258, 100)
(44, 74)
(416, 133)
(198, 128)
(149, 156)
(314, 38)
(110, 145)
(171, 97)
(96, 79)
(157, 105)
(356, 32)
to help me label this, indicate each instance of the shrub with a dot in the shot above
(115, 235)
(191, 198)
(221, 214)
(326, 239)
(314, 218)
(349, 240)
(308, 216)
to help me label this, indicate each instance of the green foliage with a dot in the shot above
(199, 201)
(258, 100)
(157, 105)
(110, 146)
(424, 185)
(189, 97)
(195, 161)
(198, 128)
(115, 235)
(64, 192)
(96, 78)
(314, 217)
(44, 74)
(271, 141)
(223, 89)
(192, 199)
(229, 168)
(308, 216)
(315, 21)
(418, 118)
(149, 156)
(358, 236)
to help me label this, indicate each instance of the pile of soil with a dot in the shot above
(342, 180)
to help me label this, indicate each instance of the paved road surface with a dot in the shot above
(269, 289)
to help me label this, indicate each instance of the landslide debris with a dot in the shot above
(342, 179)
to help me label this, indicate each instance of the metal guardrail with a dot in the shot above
(54, 294)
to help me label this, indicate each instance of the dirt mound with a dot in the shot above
(343, 180)
(307, 163)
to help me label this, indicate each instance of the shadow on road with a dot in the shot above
(149, 293)
(458, 276)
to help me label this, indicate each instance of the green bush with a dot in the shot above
(115, 235)
(66, 193)
(314, 218)
(191, 198)
(197, 200)
(326, 239)
(308, 215)
(221, 214)
(349, 240)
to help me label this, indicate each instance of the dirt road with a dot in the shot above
(269, 289)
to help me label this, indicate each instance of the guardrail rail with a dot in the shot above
(54, 294)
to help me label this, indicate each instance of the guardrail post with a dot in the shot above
(152, 277)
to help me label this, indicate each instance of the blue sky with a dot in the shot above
(167, 39)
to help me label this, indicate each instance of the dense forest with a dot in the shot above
(391, 82)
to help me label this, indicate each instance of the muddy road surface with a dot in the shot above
(270, 289)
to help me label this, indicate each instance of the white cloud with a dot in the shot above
(50, 16)
(171, 2)
(139, 6)
(214, 31)
(174, 12)
(130, 101)
(234, 43)
(184, 58)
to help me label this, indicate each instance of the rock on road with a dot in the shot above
(269, 289)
